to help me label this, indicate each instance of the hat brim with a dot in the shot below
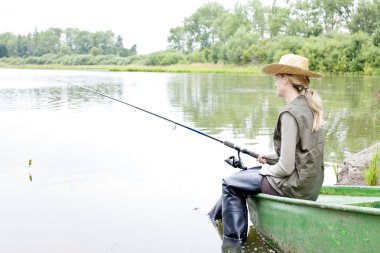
(273, 69)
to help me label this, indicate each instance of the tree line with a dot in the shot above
(339, 35)
(212, 24)
(70, 41)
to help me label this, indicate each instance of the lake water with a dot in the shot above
(109, 178)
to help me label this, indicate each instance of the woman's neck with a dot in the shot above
(291, 95)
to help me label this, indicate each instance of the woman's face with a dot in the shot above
(280, 85)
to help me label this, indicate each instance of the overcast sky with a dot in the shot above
(145, 23)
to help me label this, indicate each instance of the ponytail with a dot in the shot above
(315, 103)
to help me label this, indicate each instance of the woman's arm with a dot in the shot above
(289, 137)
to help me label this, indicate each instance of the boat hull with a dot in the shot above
(345, 224)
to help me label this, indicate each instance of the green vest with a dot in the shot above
(306, 180)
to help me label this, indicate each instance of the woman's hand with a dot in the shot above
(262, 158)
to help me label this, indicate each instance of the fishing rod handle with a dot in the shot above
(231, 145)
(248, 152)
(255, 155)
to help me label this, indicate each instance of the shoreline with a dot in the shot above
(194, 68)
(178, 68)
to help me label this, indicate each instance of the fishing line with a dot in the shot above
(232, 162)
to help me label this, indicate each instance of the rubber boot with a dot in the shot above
(235, 226)
(216, 212)
(232, 246)
(236, 188)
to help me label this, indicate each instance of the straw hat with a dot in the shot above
(291, 64)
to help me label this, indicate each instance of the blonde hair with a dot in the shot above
(301, 84)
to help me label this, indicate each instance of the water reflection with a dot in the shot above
(254, 243)
(227, 106)
(246, 108)
(57, 97)
(237, 107)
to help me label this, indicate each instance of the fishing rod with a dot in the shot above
(236, 163)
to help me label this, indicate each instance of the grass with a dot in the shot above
(178, 68)
(372, 172)
(338, 157)
(335, 167)
(192, 68)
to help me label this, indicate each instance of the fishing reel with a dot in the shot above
(236, 163)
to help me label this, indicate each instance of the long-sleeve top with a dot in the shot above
(286, 164)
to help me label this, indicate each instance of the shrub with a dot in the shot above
(196, 56)
(95, 51)
(238, 44)
(77, 60)
(165, 58)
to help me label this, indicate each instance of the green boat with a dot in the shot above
(343, 219)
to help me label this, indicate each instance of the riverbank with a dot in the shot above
(354, 167)
(206, 68)
(177, 68)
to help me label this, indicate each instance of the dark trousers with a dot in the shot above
(232, 207)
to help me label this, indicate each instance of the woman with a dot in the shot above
(298, 144)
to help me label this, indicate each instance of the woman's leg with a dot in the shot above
(216, 212)
(236, 188)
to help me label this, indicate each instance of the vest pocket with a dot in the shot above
(309, 163)
(306, 173)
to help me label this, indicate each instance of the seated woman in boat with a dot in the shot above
(298, 145)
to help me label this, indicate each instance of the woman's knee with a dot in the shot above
(246, 182)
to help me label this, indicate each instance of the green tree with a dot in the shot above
(329, 15)
(238, 44)
(376, 37)
(49, 41)
(69, 36)
(304, 20)
(133, 50)
(45, 42)
(227, 24)
(278, 19)
(22, 46)
(366, 17)
(335, 13)
(345, 9)
(82, 42)
(200, 28)
(128, 52)
(34, 45)
(3, 51)
(119, 45)
(177, 39)
(9, 40)
(104, 41)
(256, 14)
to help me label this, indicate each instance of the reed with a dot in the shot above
(335, 167)
(337, 159)
(333, 146)
(371, 174)
(191, 68)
